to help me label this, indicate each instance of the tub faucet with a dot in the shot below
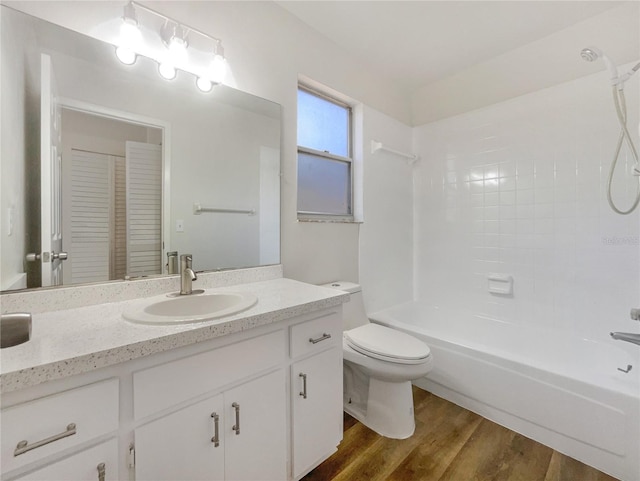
(626, 336)
(187, 276)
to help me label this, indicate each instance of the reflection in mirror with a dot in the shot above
(106, 167)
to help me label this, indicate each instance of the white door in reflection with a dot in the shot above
(111, 197)
(51, 255)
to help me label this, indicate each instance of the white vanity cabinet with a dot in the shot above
(238, 431)
(238, 435)
(316, 391)
(261, 404)
(51, 433)
(99, 463)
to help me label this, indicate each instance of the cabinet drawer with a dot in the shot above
(83, 466)
(163, 386)
(316, 334)
(54, 423)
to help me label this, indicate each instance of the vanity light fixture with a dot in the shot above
(173, 52)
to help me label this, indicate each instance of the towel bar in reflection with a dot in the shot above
(199, 209)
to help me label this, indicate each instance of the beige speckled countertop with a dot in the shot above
(73, 341)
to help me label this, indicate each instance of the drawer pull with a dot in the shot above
(324, 337)
(236, 428)
(304, 386)
(24, 446)
(216, 434)
(102, 472)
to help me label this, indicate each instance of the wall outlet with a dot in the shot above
(180, 225)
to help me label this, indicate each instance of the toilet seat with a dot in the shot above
(387, 344)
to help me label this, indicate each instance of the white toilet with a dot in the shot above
(379, 365)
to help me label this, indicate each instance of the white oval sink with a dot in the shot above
(193, 308)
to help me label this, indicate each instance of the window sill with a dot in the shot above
(328, 220)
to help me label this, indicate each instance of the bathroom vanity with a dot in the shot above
(255, 395)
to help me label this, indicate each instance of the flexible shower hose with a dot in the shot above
(621, 109)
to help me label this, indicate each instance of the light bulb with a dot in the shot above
(218, 69)
(167, 71)
(178, 49)
(130, 34)
(126, 55)
(204, 84)
(174, 37)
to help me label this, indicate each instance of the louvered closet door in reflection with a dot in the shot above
(90, 216)
(144, 208)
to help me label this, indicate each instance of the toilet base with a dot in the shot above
(389, 409)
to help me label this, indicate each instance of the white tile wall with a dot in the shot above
(520, 188)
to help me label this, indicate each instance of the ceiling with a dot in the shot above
(415, 43)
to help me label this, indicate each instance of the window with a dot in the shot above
(325, 166)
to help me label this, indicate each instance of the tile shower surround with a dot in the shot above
(520, 188)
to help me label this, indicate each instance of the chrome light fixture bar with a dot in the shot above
(175, 37)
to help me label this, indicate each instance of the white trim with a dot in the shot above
(316, 89)
(323, 153)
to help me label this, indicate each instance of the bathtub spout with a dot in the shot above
(626, 336)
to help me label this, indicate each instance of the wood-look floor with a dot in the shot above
(450, 444)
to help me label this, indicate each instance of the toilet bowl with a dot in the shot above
(379, 365)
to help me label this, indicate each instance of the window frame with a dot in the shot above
(325, 216)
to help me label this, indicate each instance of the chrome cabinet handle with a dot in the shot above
(303, 393)
(102, 472)
(216, 434)
(324, 337)
(24, 446)
(236, 428)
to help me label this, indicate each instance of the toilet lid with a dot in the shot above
(387, 344)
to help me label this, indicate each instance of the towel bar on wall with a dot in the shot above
(376, 146)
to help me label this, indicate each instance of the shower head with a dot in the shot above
(591, 54)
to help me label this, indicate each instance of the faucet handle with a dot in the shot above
(186, 261)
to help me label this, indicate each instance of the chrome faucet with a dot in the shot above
(626, 336)
(187, 276)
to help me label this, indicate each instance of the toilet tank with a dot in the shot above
(353, 312)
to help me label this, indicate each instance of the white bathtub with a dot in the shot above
(562, 391)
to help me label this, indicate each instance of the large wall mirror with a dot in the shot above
(107, 169)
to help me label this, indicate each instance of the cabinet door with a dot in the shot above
(316, 389)
(259, 449)
(180, 447)
(99, 463)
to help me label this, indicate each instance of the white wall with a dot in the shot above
(16, 77)
(267, 48)
(520, 188)
(98, 134)
(386, 236)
